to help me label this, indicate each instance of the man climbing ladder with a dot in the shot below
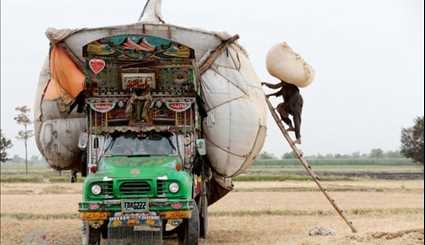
(292, 105)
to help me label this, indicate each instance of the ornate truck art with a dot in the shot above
(135, 79)
(113, 62)
(138, 47)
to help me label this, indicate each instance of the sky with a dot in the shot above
(368, 57)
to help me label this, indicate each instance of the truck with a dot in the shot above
(143, 144)
(158, 118)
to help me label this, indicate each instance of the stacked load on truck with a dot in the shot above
(231, 95)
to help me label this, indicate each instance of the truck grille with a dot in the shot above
(135, 188)
(161, 187)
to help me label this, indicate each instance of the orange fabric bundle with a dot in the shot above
(67, 81)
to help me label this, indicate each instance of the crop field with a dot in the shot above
(269, 205)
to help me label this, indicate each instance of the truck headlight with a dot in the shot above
(174, 187)
(96, 189)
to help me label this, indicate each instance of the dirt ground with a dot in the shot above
(384, 212)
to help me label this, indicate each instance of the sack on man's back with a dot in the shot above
(285, 64)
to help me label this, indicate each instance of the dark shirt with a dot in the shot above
(289, 90)
(291, 95)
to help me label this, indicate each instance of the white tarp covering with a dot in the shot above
(235, 128)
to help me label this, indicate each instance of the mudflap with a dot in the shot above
(135, 229)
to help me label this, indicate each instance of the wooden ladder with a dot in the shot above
(307, 166)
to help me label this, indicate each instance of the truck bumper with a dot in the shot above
(164, 208)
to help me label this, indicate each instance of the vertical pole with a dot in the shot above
(26, 150)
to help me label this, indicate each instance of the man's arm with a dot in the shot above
(278, 93)
(273, 86)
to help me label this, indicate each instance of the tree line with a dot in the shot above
(412, 147)
(374, 153)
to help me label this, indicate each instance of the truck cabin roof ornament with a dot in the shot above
(152, 12)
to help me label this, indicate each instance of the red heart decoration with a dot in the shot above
(97, 65)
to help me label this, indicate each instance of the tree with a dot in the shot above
(17, 159)
(392, 154)
(412, 141)
(4, 145)
(376, 153)
(34, 159)
(288, 155)
(23, 119)
(356, 154)
(338, 156)
(267, 156)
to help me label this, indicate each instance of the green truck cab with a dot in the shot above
(145, 174)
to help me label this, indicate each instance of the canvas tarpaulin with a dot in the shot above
(235, 127)
(67, 80)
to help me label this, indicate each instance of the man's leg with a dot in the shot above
(282, 109)
(297, 122)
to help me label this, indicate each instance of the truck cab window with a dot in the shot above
(131, 145)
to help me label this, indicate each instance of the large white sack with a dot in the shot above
(285, 64)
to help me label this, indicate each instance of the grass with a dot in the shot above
(30, 216)
(22, 179)
(340, 162)
(254, 213)
(245, 178)
(366, 211)
(36, 179)
(262, 170)
(330, 189)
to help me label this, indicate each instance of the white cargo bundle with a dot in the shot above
(235, 128)
(285, 64)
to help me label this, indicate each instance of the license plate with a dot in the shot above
(146, 228)
(135, 206)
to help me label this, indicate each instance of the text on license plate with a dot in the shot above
(135, 206)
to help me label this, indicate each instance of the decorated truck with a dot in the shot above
(158, 118)
(143, 131)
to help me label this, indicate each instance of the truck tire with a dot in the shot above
(189, 234)
(90, 236)
(203, 216)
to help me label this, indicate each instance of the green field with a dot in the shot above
(262, 170)
(340, 162)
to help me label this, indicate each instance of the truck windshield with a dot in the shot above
(132, 145)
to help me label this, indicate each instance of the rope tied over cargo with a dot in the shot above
(216, 53)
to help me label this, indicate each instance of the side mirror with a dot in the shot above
(95, 143)
(201, 147)
(82, 140)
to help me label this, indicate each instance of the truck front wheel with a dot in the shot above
(189, 234)
(90, 236)
(203, 216)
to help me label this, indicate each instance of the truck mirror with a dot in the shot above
(201, 147)
(82, 141)
(96, 143)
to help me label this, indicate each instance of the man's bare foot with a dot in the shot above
(298, 141)
(291, 129)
